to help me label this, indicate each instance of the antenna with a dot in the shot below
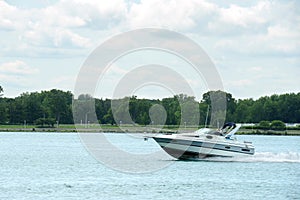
(206, 116)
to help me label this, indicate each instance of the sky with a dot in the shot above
(254, 45)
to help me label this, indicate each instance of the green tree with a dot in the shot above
(83, 109)
(291, 108)
(203, 108)
(190, 113)
(120, 110)
(265, 125)
(256, 111)
(133, 108)
(109, 118)
(277, 125)
(100, 109)
(16, 110)
(158, 114)
(58, 104)
(173, 110)
(107, 113)
(143, 107)
(178, 109)
(32, 106)
(242, 112)
(222, 105)
(4, 110)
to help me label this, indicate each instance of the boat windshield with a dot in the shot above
(208, 131)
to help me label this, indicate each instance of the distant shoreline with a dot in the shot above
(131, 129)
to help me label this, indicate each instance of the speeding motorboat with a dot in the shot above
(205, 142)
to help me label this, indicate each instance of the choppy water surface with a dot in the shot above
(57, 166)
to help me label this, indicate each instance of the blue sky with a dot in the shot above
(255, 45)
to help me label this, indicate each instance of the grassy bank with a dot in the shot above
(85, 128)
(268, 132)
(129, 128)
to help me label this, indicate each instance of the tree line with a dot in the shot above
(55, 106)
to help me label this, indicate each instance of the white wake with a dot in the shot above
(289, 157)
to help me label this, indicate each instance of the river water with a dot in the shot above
(57, 166)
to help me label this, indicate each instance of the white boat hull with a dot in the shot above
(200, 148)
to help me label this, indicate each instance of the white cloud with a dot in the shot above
(74, 23)
(8, 16)
(16, 76)
(265, 29)
(17, 68)
(233, 34)
(56, 16)
(283, 38)
(63, 25)
(244, 16)
(83, 13)
(278, 31)
(178, 15)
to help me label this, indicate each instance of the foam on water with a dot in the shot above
(289, 157)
